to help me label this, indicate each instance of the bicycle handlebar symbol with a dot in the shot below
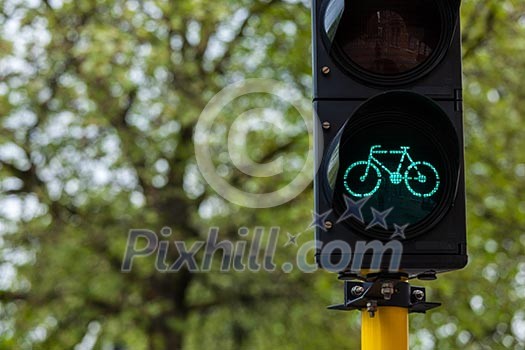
(416, 173)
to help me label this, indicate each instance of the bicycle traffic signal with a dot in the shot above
(388, 92)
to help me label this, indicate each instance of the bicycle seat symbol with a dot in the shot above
(420, 178)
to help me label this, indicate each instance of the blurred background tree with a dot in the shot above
(98, 102)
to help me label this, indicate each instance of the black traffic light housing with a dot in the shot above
(387, 88)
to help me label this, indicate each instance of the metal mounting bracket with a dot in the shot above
(384, 292)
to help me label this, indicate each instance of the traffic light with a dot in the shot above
(388, 93)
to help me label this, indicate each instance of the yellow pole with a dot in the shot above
(387, 330)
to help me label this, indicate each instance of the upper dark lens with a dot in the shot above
(389, 37)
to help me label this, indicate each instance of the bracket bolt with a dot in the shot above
(326, 125)
(325, 70)
(371, 308)
(418, 294)
(328, 225)
(357, 291)
(387, 290)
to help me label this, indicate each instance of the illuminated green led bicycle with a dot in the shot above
(363, 178)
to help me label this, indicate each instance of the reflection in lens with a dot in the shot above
(389, 37)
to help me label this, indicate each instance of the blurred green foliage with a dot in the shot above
(98, 101)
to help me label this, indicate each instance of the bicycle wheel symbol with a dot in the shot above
(422, 179)
(360, 181)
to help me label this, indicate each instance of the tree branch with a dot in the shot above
(484, 36)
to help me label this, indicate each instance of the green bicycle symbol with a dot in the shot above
(416, 174)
